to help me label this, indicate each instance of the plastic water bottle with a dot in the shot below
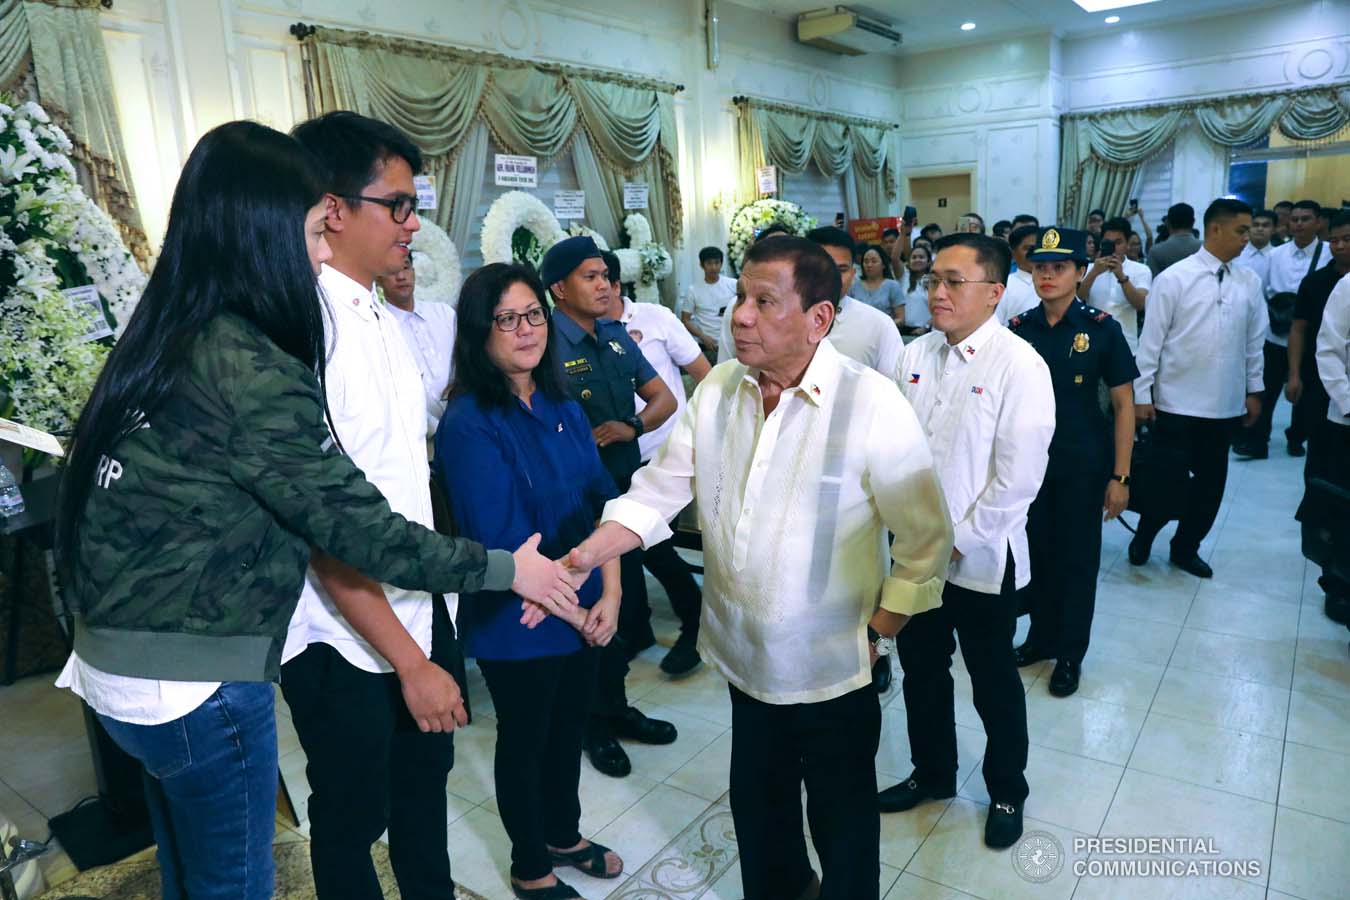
(11, 501)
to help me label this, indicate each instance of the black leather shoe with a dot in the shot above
(1192, 563)
(682, 659)
(634, 726)
(1029, 654)
(1004, 825)
(607, 755)
(910, 793)
(1296, 449)
(882, 674)
(1338, 609)
(1139, 551)
(632, 647)
(1064, 680)
(1251, 451)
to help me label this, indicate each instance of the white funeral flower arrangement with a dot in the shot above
(53, 237)
(576, 229)
(436, 263)
(645, 262)
(513, 212)
(752, 218)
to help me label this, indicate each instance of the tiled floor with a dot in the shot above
(1215, 709)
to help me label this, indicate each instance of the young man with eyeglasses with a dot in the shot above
(605, 368)
(985, 400)
(370, 767)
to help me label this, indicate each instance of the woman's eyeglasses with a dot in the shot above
(510, 321)
(400, 207)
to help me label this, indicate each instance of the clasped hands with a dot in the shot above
(548, 587)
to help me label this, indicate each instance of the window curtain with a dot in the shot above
(859, 150)
(59, 45)
(466, 187)
(1101, 153)
(439, 94)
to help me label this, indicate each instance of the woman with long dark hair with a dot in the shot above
(516, 456)
(201, 476)
(876, 287)
(915, 318)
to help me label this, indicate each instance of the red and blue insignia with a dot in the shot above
(913, 377)
(977, 390)
(1101, 317)
(970, 351)
(1014, 321)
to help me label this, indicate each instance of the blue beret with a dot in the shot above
(563, 258)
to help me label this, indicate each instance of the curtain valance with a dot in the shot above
(790, 138)
(1101, 151)
(438, 93)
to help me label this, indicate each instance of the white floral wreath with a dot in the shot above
(644, 262)
(436, 262)
(750, 218)
(513, 210)
(576, 229)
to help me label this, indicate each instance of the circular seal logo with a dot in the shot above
(1081, 342)
(1038, 856)
(1050, 240)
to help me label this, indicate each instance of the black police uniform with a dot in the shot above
(603, 372)
(1064, 526)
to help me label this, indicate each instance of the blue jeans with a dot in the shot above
(211, 784)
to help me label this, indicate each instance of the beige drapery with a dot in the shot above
(59, 43)
(1101, 152)
(861, 151)
(438, 94)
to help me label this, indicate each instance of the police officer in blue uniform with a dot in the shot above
(1088, 475)
(604, 368)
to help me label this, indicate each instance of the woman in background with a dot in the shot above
(914, 317)
(876, 287)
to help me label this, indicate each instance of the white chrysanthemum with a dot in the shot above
(436, 262)
(751, 217)
(512, 210)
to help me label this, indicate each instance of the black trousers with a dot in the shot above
(1328, 460)
(1275, 375)
(1064, 531)
(1310, 412)
(541, 720)
(610, 697)
(1205, 444)
(985, 624)
(831, 746)
(370, 768)
(686, 599)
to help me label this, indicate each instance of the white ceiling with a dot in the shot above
(933, 24)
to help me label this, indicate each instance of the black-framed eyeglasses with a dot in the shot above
(510, 321)
(930, 282)
(400, 207)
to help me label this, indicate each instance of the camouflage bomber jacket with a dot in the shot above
(194, 543)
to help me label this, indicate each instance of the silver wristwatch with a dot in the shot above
(882, 646)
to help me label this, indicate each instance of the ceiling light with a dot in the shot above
(967, 26)
(1093, 6)
(1111, 20)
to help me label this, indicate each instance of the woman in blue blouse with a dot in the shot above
(516, 457)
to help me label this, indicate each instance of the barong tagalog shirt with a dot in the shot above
(794, 508)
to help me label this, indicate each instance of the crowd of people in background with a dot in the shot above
(888, 448)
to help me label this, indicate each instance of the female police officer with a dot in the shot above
(1087, 474)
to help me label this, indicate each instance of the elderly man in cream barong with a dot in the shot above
(801, 460)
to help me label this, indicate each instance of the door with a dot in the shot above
(941, 198)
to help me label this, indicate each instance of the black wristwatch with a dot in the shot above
(636, 423)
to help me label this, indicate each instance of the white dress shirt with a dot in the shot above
(430, 332)
(1018, 297)
(378, 404)
(868, 335)
(1256, 259)
(1107, 295)
(1333, 352)
(1200, 353)
(1287, 266)
(706, 303)
(668, 345)
(794, 508)
(988, 408)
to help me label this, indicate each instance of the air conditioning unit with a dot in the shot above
(841, 30)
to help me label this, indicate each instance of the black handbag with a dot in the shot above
(1280, 307)
(1159, 479)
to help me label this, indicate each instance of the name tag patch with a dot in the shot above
(577, 366)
